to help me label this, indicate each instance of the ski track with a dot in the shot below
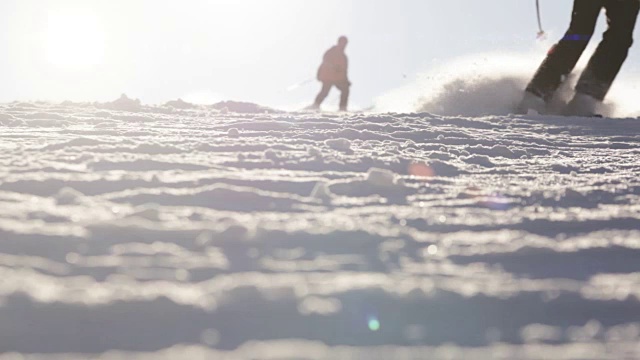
(191, 232)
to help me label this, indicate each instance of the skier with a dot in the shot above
(333, 72)
(603, 67)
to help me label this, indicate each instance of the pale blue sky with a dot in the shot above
(251, 50)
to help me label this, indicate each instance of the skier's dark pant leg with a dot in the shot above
(608, 58)
(344, 96)
(324, 92)
(564, 56)
(326, 88)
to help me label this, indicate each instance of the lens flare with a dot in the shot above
(496, 202)
(374, 323)
(421, 170)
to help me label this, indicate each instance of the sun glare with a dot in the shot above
(74, 40)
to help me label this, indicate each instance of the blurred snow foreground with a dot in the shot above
(241, 232)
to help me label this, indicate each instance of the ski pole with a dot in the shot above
(300, 84)
(541, 32)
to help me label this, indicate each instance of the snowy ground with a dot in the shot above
(199, 233)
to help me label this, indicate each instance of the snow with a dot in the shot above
(492, 84)
(381, 177)
(339, 144)
(239, 232)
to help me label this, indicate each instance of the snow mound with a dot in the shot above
(123, 103)
(340, 144)
(149, 212)
(321, 191)
(68, 196)
(219, 196)
(314, 151)
(243, 108)
(382, 177)
(180, 104)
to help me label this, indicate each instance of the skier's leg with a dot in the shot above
(608, 58)
(324, 92)
(562, 58)
(344, 96)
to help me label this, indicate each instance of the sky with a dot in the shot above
(263, 51)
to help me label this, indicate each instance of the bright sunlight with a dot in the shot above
(74, 40)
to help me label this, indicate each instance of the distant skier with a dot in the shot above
(333, 72)
(603, 67)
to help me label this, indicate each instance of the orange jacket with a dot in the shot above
(334, 66)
